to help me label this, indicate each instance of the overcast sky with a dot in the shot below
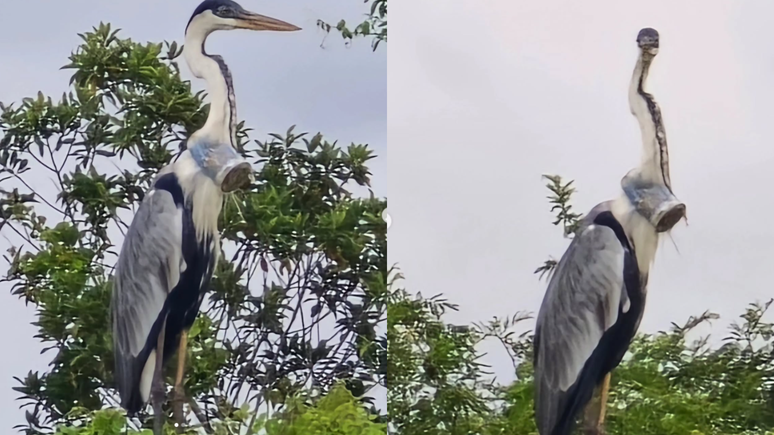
(280, 80)
(486, 96)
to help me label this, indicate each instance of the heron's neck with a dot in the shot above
(642, 234)
(221, 121)
(203, 195)
(655, 156)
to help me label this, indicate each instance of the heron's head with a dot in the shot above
(654, 201)
(647, 40)
(213, 15)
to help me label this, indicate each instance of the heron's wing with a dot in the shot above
(582, 301)
(148, 268)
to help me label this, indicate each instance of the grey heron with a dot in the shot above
(596, 296)
(172, 246)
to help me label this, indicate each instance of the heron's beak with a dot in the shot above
(253, 21)
(654, 201)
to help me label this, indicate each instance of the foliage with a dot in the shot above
(668, 384)
(301, 287)
(374, 26)
(337, 413)
(436, 383)
(673, 387)
(104, 422)
(561, 193)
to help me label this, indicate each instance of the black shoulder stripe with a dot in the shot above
(631, 272)
(607, 219)
(170, 183)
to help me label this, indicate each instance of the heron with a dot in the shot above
(596, 296)
(172, 245)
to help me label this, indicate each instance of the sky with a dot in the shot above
(486, 96)
(300, 78)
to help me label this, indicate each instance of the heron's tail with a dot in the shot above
(127, 378)
(556, 411)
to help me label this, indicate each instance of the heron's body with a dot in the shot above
(172, 246)
(594, 306)
(163, 271)
(596, 297)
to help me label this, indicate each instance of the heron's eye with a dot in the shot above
(223, 11)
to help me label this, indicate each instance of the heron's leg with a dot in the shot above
(179, 393)
(591, 415)
(603, 401)
(157, 389)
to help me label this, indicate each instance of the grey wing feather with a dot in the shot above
(148, 268)
(581, 302)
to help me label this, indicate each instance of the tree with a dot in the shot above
(666, 385)
(436, 381)
(374, 26)
(337, 413)
(294, 303)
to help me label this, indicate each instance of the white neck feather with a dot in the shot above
(653, 135)
(204, 67)
(206, 197)
(641, 232)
